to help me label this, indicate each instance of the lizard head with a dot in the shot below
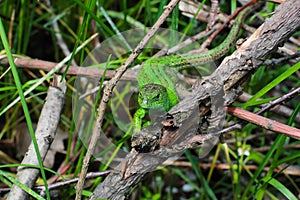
(153, 96)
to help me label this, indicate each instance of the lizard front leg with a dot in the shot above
(137, 119)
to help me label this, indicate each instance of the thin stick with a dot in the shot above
(264, 122)
(61, 184)
(210, 39)
(60, 41)
(265, 108)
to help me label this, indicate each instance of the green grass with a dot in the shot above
(26, 29)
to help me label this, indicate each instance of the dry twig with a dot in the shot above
(46, 128)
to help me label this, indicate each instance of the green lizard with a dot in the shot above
(158, 82)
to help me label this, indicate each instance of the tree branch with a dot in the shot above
(177, 124)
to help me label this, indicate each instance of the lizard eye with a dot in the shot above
(157, 96)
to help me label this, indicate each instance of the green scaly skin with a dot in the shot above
(157, 81)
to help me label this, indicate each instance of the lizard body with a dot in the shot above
(158, 81)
